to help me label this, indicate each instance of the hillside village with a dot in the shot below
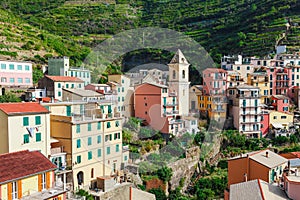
(139, 132)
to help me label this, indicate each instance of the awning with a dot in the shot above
(277, 125)
(52, 140)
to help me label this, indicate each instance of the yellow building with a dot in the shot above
(24, 126)
(281, 120)
(91, 134)
(28, 175)
(261, 80)
(213, 107)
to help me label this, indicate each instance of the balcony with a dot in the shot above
(172, 94)
(174, 112)
(176, 121)
(218, 110)
(256, 96)
(56, 150)
(170, 104)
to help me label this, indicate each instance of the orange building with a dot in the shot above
(158, 107)
(28, 175)
(265, 165)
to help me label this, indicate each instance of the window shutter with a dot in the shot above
(9, 191)
(40, 182)
(48, 180)
(19, 189)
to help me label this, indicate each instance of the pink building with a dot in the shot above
(15, 73)
(265, 121)
(280, 103)
(158, 107)
(214, 81)
(280, 80)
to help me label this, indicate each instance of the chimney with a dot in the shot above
(267, 154)
(245, 176)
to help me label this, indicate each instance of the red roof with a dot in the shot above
(64, 78)
(22, 108)
(216, 70)
(22, 164)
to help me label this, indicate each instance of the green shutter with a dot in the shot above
(78, 159)
(99, 139)
(90, 155)
(89, 140)
(99, 152)
(69, 111)
(37, 120)
(89, 126)
(107, 150)
(78, 143)
(78, 128)
(117, 148)
(25, 121)
(38, 137)
(26, 138)
(99, 125)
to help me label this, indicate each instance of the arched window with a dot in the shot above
(183, 73)
(174, 74)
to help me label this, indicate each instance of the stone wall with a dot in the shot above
(184, 168)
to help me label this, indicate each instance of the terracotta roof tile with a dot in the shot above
(22, 108)
(64, 78)
(23, 163)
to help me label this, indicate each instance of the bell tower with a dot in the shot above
(179, 81)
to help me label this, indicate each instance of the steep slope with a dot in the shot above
(22, 41)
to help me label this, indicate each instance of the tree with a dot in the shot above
(199, 138)
(205, 194)
(164, 174)
(37, 74)
(159, 193)
(9, 97)
(293, 139)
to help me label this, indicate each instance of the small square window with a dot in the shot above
(19, 67)
(26, 67)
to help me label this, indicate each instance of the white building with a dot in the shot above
(179, 81)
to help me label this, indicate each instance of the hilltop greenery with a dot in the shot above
(45, 28)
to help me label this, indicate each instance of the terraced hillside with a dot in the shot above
(22, 41)
(250, 27)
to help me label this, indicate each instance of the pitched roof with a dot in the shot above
(64, 78)
(179, 58)
(22, 108)
(271, 161)
(84, 93)
(255, 190)
(22, 164)
(215, 70)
